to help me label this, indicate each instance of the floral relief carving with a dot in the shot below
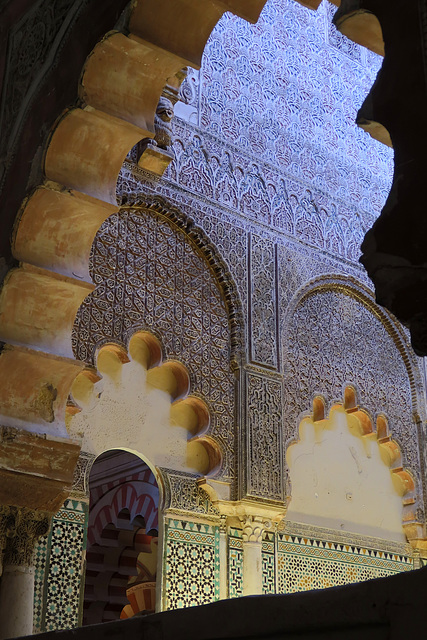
(20, 529)
(182, 493)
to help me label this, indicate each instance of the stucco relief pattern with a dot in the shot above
(264, 432)
(236, 180)
(222, 227)
(286, 90)
(148, 275)
(332, 339)
(182, 493)
(263, 317)
(32, 45)
(295, 188)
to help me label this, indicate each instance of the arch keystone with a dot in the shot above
(145, 348)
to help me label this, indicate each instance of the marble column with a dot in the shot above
(252, 555)
(223, 559)
(20, 528)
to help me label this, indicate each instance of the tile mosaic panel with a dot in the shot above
(59, 569)
(191, 565)
(305, 564)
(235, 563)
(40, 555)
(268, 563)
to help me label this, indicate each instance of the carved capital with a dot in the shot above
(20, 528)
(252, 529)
(81, 473)
(223, 524)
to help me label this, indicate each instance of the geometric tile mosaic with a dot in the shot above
(235, 563)
(39, 559)
(191, 564)
(268, 563)
(304, 564)
(58, 558)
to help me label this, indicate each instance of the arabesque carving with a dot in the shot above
(20, 529)
(265, 427)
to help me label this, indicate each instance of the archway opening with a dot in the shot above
(122, 539)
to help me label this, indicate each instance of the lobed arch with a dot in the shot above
(404, 407)
(187, 417)
(121, 82)
(353, 288)
(378, 432)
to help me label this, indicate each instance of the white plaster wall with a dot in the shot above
(125, 412)
(339, 480)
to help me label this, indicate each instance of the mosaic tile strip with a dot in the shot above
(305, 564)
(62, 581)
(40, 554)
(235, 563)
(191, 566)
(268, 563)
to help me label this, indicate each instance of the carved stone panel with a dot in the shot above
(263, 302)
(264, 437)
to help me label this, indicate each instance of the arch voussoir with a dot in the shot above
(87, 150)
(38, 308)
(57, 228)
(121, 83)
(124, 77)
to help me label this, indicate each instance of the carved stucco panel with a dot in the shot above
(149, 275)
(332, 339)
(264, 437)
(263, 302)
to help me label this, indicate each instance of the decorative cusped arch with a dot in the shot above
(150, 399)
(155, 271)
(120, 86)
(362, 451)
(342, 337)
